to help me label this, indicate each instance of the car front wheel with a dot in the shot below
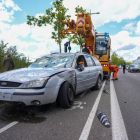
(66, 96)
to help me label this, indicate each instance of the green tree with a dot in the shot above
(79, 9)
(115, 60)
(53, 16)
(128, 63)
(19, 59)
(121, 61)
(3, 47)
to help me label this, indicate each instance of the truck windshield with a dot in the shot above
(101, 47)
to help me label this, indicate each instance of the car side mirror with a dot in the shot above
(81, 67)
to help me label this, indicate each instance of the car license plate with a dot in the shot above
(5, 96)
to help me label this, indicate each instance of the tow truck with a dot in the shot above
(98, 44)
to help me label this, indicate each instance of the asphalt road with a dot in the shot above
(128, 94)
(81, 119)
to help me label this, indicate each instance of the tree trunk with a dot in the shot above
(59, 42)
(60, 47)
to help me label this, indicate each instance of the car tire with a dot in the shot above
(66, 96)
(98, 84)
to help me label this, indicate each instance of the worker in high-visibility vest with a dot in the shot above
(114, 69)
(81, 63)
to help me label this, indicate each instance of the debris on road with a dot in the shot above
(77, 104)
(103, 119)
(107, 83)
(106, 91)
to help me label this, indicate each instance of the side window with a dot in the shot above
(89, 61)
(81, 60)
(97, 63)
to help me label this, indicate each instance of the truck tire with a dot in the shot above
(66, 96)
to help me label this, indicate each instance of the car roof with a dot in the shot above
(61, 54)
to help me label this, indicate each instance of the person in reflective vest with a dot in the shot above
(81, 62)
(114, 69)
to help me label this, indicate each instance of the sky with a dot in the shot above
(121, 19)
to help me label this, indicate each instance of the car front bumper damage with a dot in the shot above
(28, 96)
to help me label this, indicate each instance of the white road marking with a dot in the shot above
(8, 126)
(85, 133)
(118, 126)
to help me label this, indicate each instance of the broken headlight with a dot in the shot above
(35, 83)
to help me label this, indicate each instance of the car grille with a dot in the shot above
(9, 84)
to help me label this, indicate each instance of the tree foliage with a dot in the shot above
(19, 59)
(115, 60)
(53, 16)
(79, 9)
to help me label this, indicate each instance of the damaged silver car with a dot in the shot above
(52, 78)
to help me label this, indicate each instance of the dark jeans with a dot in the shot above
(123, 70)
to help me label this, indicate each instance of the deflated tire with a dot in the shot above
(66, 96)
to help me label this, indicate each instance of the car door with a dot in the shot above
(93, 70)
(82, 77)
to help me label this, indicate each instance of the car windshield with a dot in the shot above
(54, 61)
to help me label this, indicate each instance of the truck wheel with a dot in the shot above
(66, 96)
(98, 83)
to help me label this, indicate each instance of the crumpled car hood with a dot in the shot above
(28, 74)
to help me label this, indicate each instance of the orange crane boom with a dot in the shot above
(83, 27)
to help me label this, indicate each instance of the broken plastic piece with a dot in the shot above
(107, 83)
(103, 119)
(106, 91)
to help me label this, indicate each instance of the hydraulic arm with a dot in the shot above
(83, 26)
